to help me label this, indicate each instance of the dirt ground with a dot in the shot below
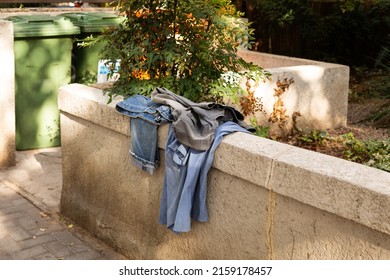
(369, 104)
(359, 114)
(361, 122)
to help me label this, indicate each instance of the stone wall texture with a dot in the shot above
(266, 200)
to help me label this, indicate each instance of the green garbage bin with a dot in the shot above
(43, 50)
(85, 59)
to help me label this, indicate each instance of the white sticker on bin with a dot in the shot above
(104, 69)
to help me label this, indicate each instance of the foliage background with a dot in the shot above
(352, 32)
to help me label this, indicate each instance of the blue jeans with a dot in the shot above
(139, 106)
(145, 116)
(144, 150)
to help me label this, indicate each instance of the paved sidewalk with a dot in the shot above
(31, 233)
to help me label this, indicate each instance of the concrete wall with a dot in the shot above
(319, 91)
(7, 95)
(266, 200)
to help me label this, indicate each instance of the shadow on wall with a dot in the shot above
(122, 210)
(318, 91)
(305, 94)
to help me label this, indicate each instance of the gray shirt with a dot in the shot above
(195, 123)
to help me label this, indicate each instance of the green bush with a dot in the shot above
(374, 153)
(189, 47)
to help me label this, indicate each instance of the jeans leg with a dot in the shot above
(144, 151)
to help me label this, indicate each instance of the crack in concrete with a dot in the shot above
(271, 214)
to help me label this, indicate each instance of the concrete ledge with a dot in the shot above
(7, 95)
(341, 187)
(267, 200)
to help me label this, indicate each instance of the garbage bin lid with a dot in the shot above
(42, 26)
(93, 22)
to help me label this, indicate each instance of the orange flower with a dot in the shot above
(139, 13)
(141, 75)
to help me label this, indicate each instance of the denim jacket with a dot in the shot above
(185, 183)
(145, 115)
